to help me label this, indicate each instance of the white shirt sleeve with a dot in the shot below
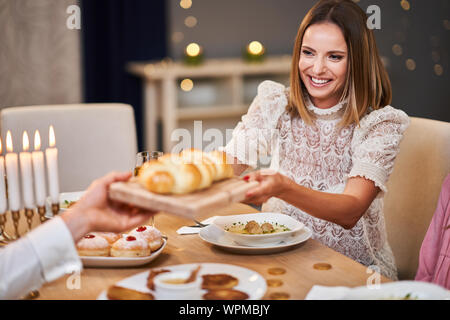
(376, 143)
(45, 254)
(255, 135)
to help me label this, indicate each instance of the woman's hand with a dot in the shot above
(95, 212)
(272, 184)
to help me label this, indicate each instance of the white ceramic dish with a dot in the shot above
(121, 262)
(63, 197)
(216, 236)
(258, 240)
(181, 291)
(250, 281)
(400, 290)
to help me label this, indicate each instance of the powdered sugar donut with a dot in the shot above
(92, 245)
(151, 234)
(111, 237)
(130, 246)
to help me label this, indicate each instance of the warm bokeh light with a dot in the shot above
(25, 141)
(397, 49)
(405, 5)
(438, 70)
(411, 64)
(51, 137)
(193, 49)
(37, 140)
(0, 146)
(186, 4)
(190, 21)
(9, 144)
(187, 85)
(255, 47)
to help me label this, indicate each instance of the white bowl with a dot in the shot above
(258, 240)
(176, 291)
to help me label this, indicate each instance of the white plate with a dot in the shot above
(216, 236)
(259, 239)
(250, 281)
(65, 196)
(120, 262)
(399, 290)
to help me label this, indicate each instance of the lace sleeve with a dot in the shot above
(375, 144)
(253, 136)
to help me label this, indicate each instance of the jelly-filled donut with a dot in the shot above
(130, 246)
(152, 235)
(111, 237)
(92, 245)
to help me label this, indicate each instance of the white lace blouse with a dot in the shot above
(322, 157)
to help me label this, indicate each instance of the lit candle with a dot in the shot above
(12, 174)
(26, 173)
(39, 172)
(2, 182)
(51, 154)
(254, 51)
(193, 54)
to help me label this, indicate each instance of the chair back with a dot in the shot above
(413, 189)
(92, 139)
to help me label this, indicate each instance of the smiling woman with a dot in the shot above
(332, 136)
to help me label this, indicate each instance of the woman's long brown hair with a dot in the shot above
(367, 84)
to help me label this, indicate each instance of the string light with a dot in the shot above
(193, 49)
(405, 5)
(397, 49)
(410, 64)
(190, 21)
(187, 85)
(438, 70)
(186, 4)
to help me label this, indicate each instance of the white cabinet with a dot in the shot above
(223, 89)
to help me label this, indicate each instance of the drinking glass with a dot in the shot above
(144, 156)
(141, 158)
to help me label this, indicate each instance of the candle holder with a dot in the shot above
(16, 218)
(41, 211)
(254, 52)
(55, 209)
(29, 213)
(6, 238)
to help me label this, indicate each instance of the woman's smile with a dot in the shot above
(323, 64)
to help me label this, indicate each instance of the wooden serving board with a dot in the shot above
(220, 194)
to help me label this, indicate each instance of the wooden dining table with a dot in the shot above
(297, 262)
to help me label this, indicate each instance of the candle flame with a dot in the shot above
(9, 144)
(37, 140)
(51, 137)
(25, 141)
(255, 47)
(193, 49)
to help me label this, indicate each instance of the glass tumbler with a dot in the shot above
(141, 158)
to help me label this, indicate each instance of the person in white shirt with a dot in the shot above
(48, 252)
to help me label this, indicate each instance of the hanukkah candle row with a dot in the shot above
(31, 170)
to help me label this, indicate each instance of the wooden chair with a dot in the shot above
(413, 189)
(92, 139)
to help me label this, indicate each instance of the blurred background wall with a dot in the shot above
(43, 62)
(414, 39)
(40, 59)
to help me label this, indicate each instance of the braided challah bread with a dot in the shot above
(182, 173)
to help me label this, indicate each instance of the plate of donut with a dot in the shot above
(106, 249)
(214, 281)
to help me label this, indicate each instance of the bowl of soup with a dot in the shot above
(258, 229)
